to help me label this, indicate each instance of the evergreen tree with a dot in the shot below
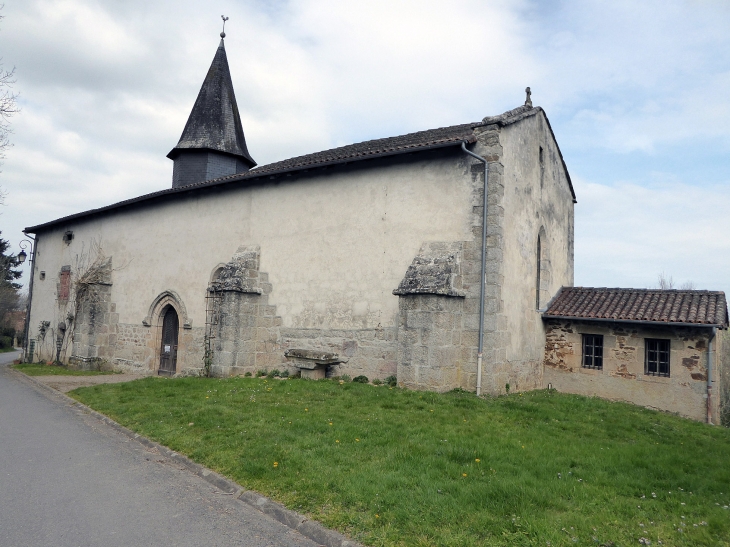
(8, 267)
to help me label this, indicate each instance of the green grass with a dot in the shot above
(39, 369)
(7, 350)
(396, 467)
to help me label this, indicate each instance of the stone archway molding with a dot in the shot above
(163, 299)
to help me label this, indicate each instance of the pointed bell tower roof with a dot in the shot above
(214, 123)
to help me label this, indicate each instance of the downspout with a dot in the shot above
(709, 376)
(480, 350)
(30, 296)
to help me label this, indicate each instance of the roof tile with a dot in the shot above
(651, 305)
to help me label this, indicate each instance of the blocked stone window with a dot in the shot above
(593, 351)
(657, 357)
(64, 286)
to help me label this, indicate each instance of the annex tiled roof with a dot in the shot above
(645, 305)
(403, 144)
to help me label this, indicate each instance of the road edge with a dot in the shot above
(310, 529)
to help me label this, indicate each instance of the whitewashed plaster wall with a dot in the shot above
(335, 242)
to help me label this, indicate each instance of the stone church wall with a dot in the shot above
(533, 201)
(331, 245)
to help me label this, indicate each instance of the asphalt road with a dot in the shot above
(68, 480)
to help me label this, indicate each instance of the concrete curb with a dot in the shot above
(308, 528)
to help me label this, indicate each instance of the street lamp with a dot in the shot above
(22, 255)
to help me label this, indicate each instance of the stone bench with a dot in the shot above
(312, 363)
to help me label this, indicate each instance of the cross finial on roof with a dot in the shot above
(223, 34)
(528, 100)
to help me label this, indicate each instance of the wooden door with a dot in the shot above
(168, 346)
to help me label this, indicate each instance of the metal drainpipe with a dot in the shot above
(709, 376)
(480, 351)
(30, 296)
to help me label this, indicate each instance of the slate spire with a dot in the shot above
(212, 144)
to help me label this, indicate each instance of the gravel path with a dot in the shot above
(67, 383)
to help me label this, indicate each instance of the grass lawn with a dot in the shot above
(7, 350)
(39, 369)
(397, 467)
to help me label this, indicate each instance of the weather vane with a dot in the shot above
(223, 34)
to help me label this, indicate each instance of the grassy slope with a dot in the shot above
(35, 369)
(396, 467)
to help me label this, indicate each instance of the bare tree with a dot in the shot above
(8, 106)
(665, 282)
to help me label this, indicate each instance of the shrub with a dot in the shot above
(361, 379)
(392, 381)
(377, 382)
(260, 373)
(345, 377)
(285, 374)
(248, 374)
(6, 342)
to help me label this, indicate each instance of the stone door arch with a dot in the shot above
(168, 341)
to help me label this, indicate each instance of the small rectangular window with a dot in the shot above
(593, 351)
(657, 357)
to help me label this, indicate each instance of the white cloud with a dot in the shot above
(626, 235)
(106, 88)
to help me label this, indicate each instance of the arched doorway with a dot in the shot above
(168, 343)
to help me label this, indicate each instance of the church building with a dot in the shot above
(432, 257)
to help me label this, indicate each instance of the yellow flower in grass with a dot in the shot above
(357, 440)
(477, 460)
(276, 464)
(463, 474)
(306, 410)
(337, 441)
(330, 423)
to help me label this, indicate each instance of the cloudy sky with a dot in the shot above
(638, 94)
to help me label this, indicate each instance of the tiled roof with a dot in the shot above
(645, 305)
(412, 142)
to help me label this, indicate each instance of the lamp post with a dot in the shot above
(22, 255)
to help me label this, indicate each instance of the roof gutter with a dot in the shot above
(634, 321)
(480, 350)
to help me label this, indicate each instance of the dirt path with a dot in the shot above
(67, 383)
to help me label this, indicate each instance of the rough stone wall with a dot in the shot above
(433, 345)
(368, 352)
(622, 377)
(95, 328)
(133, 352)
(246, 337)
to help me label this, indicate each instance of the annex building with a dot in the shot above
(439, 257)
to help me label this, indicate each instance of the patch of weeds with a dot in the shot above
(248, 374)
(392, 381)
(377, 382)
(361, 379)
